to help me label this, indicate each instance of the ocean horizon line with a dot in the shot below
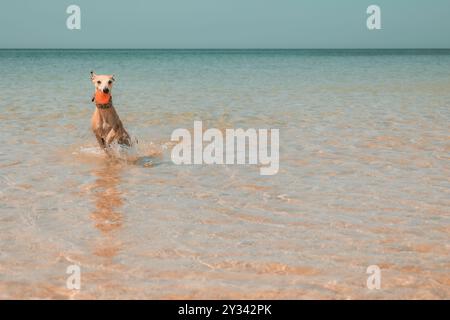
(241, 49)
(214, 51)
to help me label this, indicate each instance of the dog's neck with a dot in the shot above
(102, 100)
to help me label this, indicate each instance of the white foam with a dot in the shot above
(90, 150)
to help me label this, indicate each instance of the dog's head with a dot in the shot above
(102, 82)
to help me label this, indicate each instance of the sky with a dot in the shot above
(225, 24)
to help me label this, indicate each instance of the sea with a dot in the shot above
(363, 179)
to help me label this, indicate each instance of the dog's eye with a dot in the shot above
(109, 82)
(98, 82)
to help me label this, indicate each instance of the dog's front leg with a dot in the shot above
(103, 145)
(101, 141)
(110, 137)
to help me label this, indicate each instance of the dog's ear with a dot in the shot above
(93, 75)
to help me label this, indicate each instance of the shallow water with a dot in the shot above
(364, 176)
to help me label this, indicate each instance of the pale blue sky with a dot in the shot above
(225, 24)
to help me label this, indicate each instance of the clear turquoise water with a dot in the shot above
(363, 180)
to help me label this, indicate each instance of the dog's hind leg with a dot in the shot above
(122, 135)
(124, 138)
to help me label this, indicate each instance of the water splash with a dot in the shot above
(141, 153)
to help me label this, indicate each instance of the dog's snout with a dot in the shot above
(105, 90)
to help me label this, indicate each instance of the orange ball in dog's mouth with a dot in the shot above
(101, 97)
